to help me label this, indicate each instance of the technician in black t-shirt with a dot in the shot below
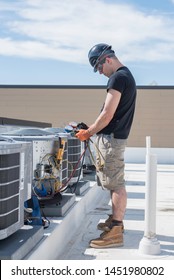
(112, 128)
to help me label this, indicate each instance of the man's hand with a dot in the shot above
(83, 134)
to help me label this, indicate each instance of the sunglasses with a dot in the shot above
(99, 66)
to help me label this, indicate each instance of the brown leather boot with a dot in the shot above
(113, 238)
(105, 226)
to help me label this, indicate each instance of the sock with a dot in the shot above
(115, 223)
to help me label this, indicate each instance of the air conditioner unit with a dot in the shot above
(74, 154)
(15, 184)
(45, 147)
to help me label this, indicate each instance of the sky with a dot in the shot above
(46, 42)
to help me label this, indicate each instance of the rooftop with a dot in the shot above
(68, 237)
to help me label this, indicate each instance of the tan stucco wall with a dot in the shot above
(154, 117)
(154, 114)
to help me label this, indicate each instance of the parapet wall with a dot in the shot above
(59, 105)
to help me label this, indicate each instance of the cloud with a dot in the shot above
(65, 30)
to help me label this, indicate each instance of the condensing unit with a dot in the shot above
(49, 164)
(74, 154)
(15, 184)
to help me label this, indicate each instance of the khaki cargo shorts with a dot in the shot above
(110, 161)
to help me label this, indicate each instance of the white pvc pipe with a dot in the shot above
(150, 196)
(148, 145)
(149, 243)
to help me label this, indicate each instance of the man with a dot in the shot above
(112, 128)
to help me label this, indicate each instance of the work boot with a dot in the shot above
(106, 225)
(113, 238)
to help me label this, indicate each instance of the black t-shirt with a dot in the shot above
(122, 81)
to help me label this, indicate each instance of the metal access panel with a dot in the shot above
(42, 150)
(13, 185)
